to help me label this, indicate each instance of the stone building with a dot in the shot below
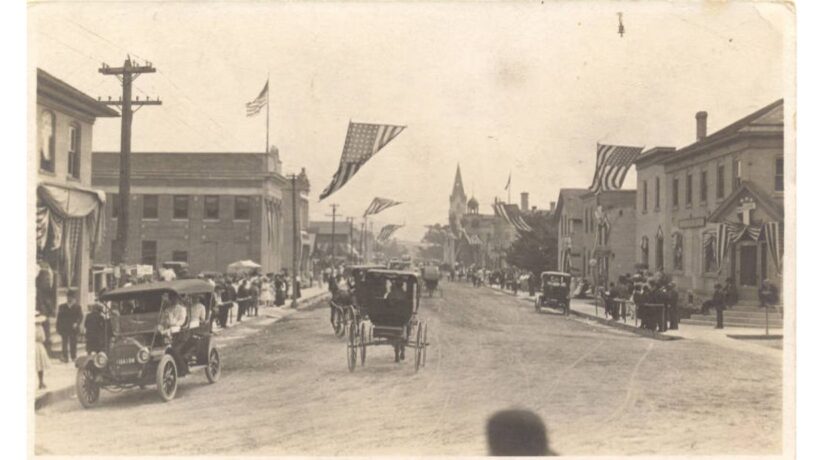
(608, 227)
(206, 209)
(69, 214)
(572, 243)
(714, 209)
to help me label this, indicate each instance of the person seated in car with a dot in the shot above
(198, 313)
(172, 315)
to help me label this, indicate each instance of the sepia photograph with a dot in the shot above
(402, 228)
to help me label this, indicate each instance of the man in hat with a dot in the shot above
(96, 333)
(69, 317)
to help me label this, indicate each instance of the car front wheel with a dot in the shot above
(166, 378)
(213, 366)
(87, 389)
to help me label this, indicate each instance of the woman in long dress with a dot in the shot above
(41, 356)
(266, 295)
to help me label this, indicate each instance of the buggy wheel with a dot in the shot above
(213, 366)
(425, 346)
(88, 391)
(166, 378)
(363, 341)
(337, 322)
(418, 346)
(351, 347)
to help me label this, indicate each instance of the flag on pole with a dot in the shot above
(379, 204)
(362, 141)
(387, 231)
(253, 108)
(508, 181)
(612, 162)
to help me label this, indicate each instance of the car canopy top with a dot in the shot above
(180, 287)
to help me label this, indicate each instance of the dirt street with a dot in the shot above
(286, 390)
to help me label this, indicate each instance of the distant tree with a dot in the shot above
(537, 250)
(391, 248)
(434, 240)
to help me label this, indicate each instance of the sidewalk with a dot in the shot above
(727, 337)
(59, 378)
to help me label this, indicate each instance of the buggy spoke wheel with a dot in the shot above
(363, 344)
(418, 346)
(88, 391)
(166, 378)
(351, 347)
(425, 346)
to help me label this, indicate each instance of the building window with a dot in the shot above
(150, 206)
(115, 199)
(74, 151)
(180, 204)
(710, 262)
(657, 193)
(659, 250)
(688, 191)
(211, 207)
(779, 174)
(675, 192)
(736, 173)
(644, 197)
(46, 133)
(180, 256)
(678, 251)
(148, 253)
(702, 187)
(241, 208)
(719, 186)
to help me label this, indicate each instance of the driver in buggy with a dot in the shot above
(172, 318)
(396, 299)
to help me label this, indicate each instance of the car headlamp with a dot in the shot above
(100, 359)
(143, 355)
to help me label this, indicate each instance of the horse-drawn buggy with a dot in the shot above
(389, 302)
(344, 305)
(431, 275)
(554, 291)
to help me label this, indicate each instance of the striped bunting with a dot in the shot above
(771, 231)
(362, 141)
(253, 108)
(379, 204)
(387, 231)
(612, 162)
(512, 215)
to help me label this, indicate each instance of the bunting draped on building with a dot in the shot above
(272, 213)
(65, 216)
(603, 226)
(512, 215)
(387, 231)
(729, 233)
(379, 204)
(772, 234)
(612, 162)
(566, 260)
(363, 140)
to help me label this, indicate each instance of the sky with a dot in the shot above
(526, 88)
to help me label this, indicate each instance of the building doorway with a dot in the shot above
(746, 267)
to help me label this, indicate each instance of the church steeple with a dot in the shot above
(457, 188)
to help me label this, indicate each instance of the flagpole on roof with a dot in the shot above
(266, 150)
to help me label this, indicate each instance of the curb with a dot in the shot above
(606, 322)
(62, 394)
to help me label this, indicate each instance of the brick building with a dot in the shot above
(69, 219)
(572, 243)
(705, 210)
(206, 209)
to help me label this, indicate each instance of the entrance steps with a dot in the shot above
(751, 316)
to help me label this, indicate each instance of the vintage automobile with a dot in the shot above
(390, 303)
(554, 291)
(138, 354)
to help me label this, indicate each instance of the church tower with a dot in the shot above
(457, 201)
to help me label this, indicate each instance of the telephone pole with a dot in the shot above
(334, 249)
(295, 237)
(127, 75)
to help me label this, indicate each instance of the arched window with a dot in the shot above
(45, 134)
(677, 251)
(74, 151)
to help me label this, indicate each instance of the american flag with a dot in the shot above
(253, 108)
(379, 204)
(611, 166)
(362, 141)
(512, 215)
(387, 231)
